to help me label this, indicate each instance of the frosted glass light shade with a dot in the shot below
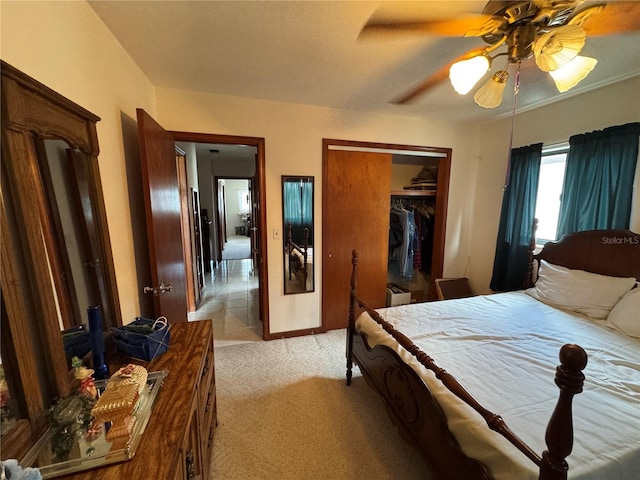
(466, 73)
(569, 75)
(490, 94)
(558, 47)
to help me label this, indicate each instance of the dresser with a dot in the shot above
(178, 440)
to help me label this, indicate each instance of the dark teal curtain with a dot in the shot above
(516, 219)
(598, 180)
(298, 208)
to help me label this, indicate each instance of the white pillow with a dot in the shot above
(579, 291)
(625, 316)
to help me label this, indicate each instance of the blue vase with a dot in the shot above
(101, 371)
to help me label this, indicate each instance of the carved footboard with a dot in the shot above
(421, 420)
(414, 412)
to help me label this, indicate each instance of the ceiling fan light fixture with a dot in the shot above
(558, 47)
(490, 94)
(466, 73)
(569, 75)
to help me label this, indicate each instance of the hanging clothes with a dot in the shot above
(398, 256)
(396, 232)
(409, 244)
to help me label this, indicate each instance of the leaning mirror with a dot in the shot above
(55, 249)
(297, 214)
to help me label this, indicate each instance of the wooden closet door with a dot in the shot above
(355, 211)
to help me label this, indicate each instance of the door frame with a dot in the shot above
(259, 198)
(220, 215)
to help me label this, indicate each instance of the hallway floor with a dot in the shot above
(231, 301)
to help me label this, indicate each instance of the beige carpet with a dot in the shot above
(284, 412)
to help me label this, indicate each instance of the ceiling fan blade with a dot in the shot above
(608, 19)
(471, 25)
(438, 77)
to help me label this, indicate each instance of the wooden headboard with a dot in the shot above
(615, 253)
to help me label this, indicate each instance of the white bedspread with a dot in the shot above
(504, 349)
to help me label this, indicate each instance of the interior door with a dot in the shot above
(253, 229)
(222, 218)
(355, 210)
(164, 222)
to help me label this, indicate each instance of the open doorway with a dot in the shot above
(233, 218)
(230, 218)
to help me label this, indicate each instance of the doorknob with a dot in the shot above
(160, 289)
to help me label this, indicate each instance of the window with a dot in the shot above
(243, 201)
(549, 196)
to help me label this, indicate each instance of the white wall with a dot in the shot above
(293, 146)
(65, 46)
(614, 105)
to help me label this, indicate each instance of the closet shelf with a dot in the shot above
(413, 193)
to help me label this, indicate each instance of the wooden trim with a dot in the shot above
(193, 296)
(327, 142)
(440, 227)
(35, 234)
(41, 90)
(293, 333)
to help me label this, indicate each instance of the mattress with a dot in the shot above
(503, 349)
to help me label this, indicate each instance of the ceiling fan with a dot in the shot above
(553, 32)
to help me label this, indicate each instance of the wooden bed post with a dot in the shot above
(306, 248)
(289, 240)
(352, 313)
(528, 282)
(559, 435)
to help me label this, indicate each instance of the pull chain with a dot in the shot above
(516, 89)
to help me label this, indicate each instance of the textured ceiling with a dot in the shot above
(308, 52)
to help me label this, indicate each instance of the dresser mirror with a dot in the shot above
(56, 253)
(297, 214)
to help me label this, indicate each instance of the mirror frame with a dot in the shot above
(301, 246)
(31, 267)
(33, 112)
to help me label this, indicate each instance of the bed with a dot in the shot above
(300, 260)
(468, 382)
